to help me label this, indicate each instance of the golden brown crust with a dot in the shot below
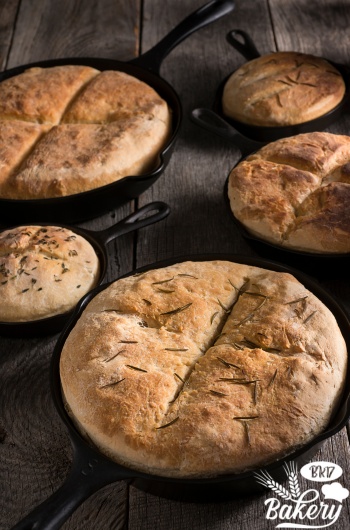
(203, 368)
(107, 99)
(282, 88)
(106, 125)
(74, 158)
(16, 141)
(294, 192)
(41, 95)
(44, 271)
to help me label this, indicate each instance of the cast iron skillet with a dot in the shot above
(268, 134)
(99, 241)
(91, 470)
(89, 204)
(316, 264)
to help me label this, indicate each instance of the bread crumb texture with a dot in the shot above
(203, 368)
(70, 129)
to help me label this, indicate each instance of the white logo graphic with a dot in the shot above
(306, 506)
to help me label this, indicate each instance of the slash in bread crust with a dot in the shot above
(41, 95)
(92, 128)
(282, 88)
(295, 192)
(203, 368)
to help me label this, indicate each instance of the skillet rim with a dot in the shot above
(265, 133)
(53, 324)
(99, 240)
(337, 422)
(144, 181)
(274, 247)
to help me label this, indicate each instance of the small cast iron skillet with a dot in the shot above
(90, 204)
(91, 470)
(316, 264)
(99, 241)
(268, 134)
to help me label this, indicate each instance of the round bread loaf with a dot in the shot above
(44, 271)
(69, 129)
(295, 192)
(282, 88)
(203, 368)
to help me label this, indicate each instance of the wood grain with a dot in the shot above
(8, 14)
(199, 223)
(49, 30)
(35, 451)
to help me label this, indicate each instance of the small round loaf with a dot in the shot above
(44, 271)
(295, 193)
(282, 88)
(70, 129)
(203, 368)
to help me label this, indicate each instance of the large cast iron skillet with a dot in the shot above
(316, 264)
(99, 241)
(89, 204)
(91, 470)
(245, 45)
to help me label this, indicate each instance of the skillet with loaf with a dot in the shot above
(280, 94)
(72, 128)
(295, 192)
(44, 271)
(96, 201)
(281, 89)
(203, 368)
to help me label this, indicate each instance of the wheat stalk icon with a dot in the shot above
(266, 480)
(291, 470)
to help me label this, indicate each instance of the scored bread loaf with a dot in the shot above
(295, 193)
(44, 271)
(282, 88)
(70, 129)
(203, 368)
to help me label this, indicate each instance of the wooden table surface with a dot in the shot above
(35, 451)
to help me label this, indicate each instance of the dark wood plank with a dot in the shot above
(199, 223)
(35, 452)
(48, 30)
(8, 13)
(194, 180)
(319, 28)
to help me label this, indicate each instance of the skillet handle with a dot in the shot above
(209, 120)
(246, 48)
(134, 221)
(205, 15)
(89, 473)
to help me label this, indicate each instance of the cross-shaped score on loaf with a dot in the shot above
(69, 129)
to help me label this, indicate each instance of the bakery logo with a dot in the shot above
(300, 509)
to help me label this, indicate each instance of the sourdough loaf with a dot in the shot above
(44, 271)
(282, 88)
(295, 192)
(203, 368)
(70, 129)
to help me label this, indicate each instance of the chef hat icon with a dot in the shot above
(335, 491)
